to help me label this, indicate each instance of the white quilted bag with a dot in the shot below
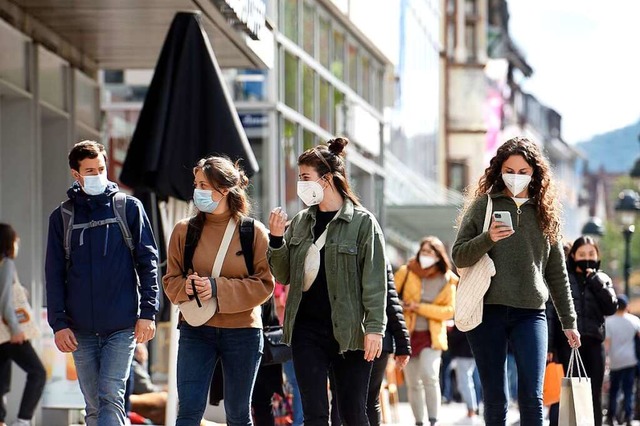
(474, 283)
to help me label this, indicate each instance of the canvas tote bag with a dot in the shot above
(474, 283)
(26, 319)
(195, 311)
(576, 404)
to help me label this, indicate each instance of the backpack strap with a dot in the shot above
(190, 243)
(119, 205)
(66, 210)
(247, 231)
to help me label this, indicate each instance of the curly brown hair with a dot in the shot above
(541, 188)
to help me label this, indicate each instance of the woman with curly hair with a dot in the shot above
(529, 264)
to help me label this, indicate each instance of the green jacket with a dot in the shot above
(528, 267)
(355, 269)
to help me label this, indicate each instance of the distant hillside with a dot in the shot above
(616, 150)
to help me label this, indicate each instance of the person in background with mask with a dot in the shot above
(234, 333)
(594, 299)
(529, 265)
(427, 289)
(93, 305)
(332, 255)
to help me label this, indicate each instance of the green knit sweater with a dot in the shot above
(528, 267)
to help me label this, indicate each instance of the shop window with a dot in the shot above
(52, 79)
(353, 66)
(338, 112)
(13, 56)
(324, 104)
(308, 31)
(290, 151)
(366, 79)
(249, 85)
(323, 45)
(337, 57)
(290, 16)
(457, 175)
(308, 92)
(309, 140)
(471, 42)
(87, 95)
(470, 8)
(291, 80)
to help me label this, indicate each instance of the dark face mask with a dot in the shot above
(588, 264)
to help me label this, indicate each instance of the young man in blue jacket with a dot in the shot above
(102, 288)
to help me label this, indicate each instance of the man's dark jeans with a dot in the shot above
(315, 356)
(526, 331)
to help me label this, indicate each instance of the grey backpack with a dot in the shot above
(119, 205)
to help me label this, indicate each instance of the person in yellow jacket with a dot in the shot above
(427, 288)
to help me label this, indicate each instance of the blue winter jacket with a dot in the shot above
(100, 292)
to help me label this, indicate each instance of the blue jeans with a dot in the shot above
(526, 331)
(624, 376)
(239, 349)
(103, 364)
(298, 414)
(465, 368)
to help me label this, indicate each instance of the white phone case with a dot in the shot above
(504, 217)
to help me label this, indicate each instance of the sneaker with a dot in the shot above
(21, 422)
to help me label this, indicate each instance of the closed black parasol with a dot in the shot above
(187, 114)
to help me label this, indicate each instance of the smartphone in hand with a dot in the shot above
(504, 217)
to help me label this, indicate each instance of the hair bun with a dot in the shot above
(337, 145)
(243, 180)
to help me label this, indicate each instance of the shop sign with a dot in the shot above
(246, 15)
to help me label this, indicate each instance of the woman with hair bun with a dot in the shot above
(332, 256)
(234, 333)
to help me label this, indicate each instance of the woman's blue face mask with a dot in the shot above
(203, 200)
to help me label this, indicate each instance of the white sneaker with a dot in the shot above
(21, 422)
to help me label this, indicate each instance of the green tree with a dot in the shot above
(612, 247)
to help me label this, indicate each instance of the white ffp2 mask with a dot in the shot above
(310, 192)
(516, 183)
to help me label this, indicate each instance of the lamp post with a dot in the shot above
(627, 208)
(593, 227)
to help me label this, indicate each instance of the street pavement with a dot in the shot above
(451, 414)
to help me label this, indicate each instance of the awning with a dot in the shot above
(417, 207)
(415, 222)
(126, 34)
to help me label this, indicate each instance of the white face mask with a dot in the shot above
(516, 183)
(95, 185)
(427, 261)
(310, 192)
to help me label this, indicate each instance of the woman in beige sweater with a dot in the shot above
(233, 334)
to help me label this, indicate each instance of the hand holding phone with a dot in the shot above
(504, 217)
(501, 226)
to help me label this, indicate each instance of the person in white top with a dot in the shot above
(621, 331)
